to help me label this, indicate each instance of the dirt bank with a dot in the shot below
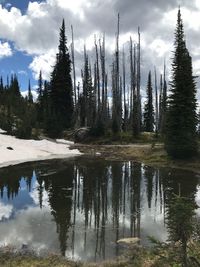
(153, 155)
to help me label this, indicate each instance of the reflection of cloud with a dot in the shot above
(32, 227)
(197, 199)
(34, 194)
(5, 211)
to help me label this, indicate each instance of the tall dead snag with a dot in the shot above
(156, 102)
(132, 80)
(160, 102)
(139, 119)
(124, 95)
(73, 66)
(97, 77)
(117, 104)
(103, 79)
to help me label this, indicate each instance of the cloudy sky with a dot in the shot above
(29, 32)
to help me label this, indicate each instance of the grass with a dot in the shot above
(163, 254)
(147, 149)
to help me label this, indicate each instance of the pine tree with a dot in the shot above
(61, 91)
(148, 109)
(181, 116)
(14, 86)
(39, 104)
(30, 96)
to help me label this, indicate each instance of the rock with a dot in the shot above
(9, 148)
(81, 134)
(129, 241)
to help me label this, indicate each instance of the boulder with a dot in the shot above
(129, 241)
(81, 134)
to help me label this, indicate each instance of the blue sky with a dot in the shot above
(29, 33)
(19, 61)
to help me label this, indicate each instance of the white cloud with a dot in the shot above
(22, 72)
(161, 47)
(5, 50)
(43, 62)
(34, 93)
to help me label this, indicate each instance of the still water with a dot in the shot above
(80, 207)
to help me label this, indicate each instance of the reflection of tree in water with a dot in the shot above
(149, 177)
(59, 188)
(106, 194)
(10, 180)
(94, 200)
(135, 200)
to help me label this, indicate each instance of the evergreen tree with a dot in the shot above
(181, 116)
(30, 96)
(163, 107)
(14, 86)
(87, 112)
(61, 90)
(148, 109)
(39, 103)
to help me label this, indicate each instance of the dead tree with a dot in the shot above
(73, 66)
(156, 102)
(139, 121)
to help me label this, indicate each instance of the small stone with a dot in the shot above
(10, 148)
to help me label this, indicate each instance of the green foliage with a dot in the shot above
(17, 115)
(148, 108)
(180, 222)
(60, 90)
(181, 141)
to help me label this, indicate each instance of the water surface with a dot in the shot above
(81, 207)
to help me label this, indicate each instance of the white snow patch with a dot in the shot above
(31, 150)
(63, 141)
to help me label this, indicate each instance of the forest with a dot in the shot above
(105, 100)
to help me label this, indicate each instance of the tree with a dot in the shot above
(30, 96)
(180, 215)
(163, 105)
(39, 104)
(61, 89)
(148, 108)
(181, 141)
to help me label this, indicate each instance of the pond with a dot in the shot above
(80, 207)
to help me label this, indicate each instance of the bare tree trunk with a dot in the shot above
(117, 104)
(138, 84)
(73, 66)
(156, 100)
(160, 103)
(124, 92)
(132, 81)
(97, 77)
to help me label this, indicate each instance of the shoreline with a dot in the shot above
(14, 151)
(154, 156)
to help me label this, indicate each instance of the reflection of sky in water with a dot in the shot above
(130, 204)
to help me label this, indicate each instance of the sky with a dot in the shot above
(29, 33)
